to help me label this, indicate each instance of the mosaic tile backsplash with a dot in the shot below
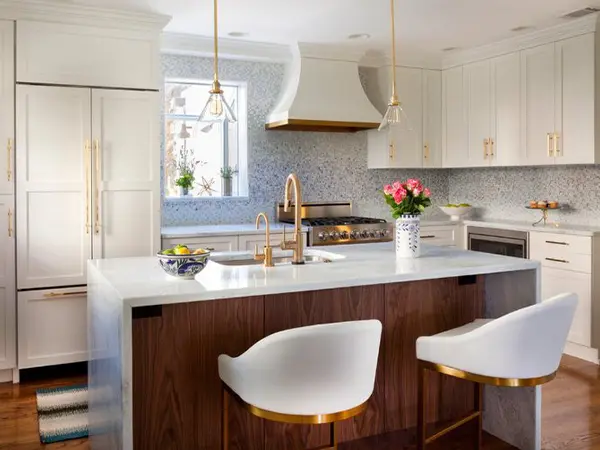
(331, 166)
(504, 193)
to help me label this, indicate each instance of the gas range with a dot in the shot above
(334, 224)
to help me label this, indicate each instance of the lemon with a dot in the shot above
(182, 251)
(200, 251)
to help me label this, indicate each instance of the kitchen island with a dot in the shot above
(154, 342)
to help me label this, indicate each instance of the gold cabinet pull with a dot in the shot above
(485, 148)
(558, 260)
(556, 149)
(392, 150)
(9, 149)
(550, 139)
(557, 243)
(426, 148)
(65, 294)
(97, 187)
(88, 161)
(430, 236)
(491, 148)
(10, 223)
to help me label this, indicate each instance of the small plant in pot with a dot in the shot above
(185, 183)
(407, 200)
(227, 174)
(186, 166)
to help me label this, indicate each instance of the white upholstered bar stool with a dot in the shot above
(309, 375)
(522, 348)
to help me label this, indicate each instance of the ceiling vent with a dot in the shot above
(580, 13)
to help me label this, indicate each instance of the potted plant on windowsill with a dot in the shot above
(186, 166)
(227, 174)
(185, 183)
(407, 200)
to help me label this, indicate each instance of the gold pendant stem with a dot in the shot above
(394, 92)
(216, 28)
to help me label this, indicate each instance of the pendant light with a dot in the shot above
(217, 106)
(394, 115)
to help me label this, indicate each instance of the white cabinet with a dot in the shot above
(479, 109)
(126, 216)
(539, 82)
(8, 317)
(247, 242)
(576, 126)
(66, 54)
(87, 180)
(7, 106)
(52, 327)
(420, 92)
(442, 235)
(454, 119)
(217, 243)
(53, 186)
(505, 137)
(432, 118)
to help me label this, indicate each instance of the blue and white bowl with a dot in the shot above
(184, 267)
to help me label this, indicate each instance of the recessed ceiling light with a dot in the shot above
(360, 36)
(238, 34)
(521, 28)
(450, 49)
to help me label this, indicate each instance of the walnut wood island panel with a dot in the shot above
(154, 381)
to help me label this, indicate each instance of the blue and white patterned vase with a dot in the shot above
(408, 236)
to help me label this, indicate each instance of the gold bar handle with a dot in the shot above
(392, 150)
(491, 148)
(9, 149)
(557, 243)
(88, 170)
(556, 149)
(426, 151)
(550, 139)
(65, 294)
(97, 187)
(10, 223)
(485, 148)
(558, 260)
(430, 236)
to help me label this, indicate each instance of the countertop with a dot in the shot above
(142, 282)
(580, 230)
(194, 231)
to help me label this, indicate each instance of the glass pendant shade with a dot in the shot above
(396, 118)
(217, 108)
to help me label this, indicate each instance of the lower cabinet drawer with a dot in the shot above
(217, 243)
(52, 327)
(438, 236)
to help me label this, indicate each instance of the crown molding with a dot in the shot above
(540, 37)
(49, 11)
(417, 60)
(187, 44)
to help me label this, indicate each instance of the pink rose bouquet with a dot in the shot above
(407, 198)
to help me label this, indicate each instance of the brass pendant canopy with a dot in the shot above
(394, 115)
(216, 106)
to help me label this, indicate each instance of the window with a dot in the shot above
(208, 158)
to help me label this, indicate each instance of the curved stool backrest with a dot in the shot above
(527, 343)
(335, 360)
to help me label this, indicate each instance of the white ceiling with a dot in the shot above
(422, 25)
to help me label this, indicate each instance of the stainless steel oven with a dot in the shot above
(499, 242)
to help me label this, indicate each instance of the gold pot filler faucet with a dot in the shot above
(297, 244)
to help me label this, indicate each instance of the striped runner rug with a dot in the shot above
(62, 413)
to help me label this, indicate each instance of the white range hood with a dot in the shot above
(322, 92)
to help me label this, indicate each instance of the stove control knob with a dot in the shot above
(344, 235)
(364, 234)
(323, 236)
(372, 234)
(334, 235)
(355, 234)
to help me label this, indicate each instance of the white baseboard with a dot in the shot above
(582, 352)
(6, 376)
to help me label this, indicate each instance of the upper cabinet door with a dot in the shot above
(7, 107)
(432, 118)
(538, 105)
(409, 144)
(454, 119)
(506, 114)
(83, 55)
(126, 181)
(479, 100)
(575, 142)
(8, 293)
(53, 195)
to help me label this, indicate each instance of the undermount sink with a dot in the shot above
(245, 259)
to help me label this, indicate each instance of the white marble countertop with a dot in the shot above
(191, 231)
(580, 230)
(142, 282)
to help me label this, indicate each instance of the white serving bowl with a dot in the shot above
(456, 213)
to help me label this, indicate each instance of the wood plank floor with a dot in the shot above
(570, 418)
